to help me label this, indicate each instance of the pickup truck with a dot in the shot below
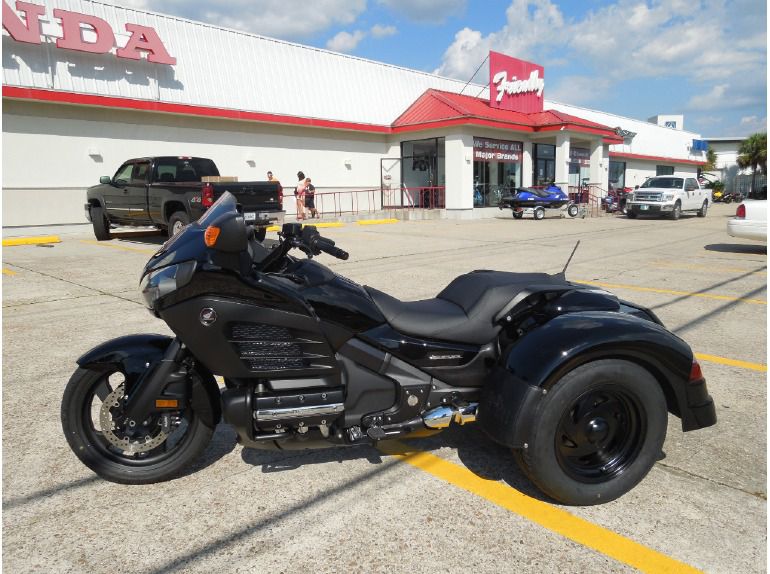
(168, 193)
(668, 195)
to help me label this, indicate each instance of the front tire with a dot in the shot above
(177, 222)
(101, 224)
(677, 212)
(631, 214)
(572, 210)
(141, 460)
(598, 432)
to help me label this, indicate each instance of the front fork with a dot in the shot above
(144, 395)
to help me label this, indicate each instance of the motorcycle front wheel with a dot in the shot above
(125, 451)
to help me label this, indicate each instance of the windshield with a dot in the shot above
(664, 182)
(225, 203)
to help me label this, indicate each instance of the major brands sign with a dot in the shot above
(514, 84)
(485, 149)
(85, 33)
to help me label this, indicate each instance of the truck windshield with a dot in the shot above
(182, 169)
(664, 182)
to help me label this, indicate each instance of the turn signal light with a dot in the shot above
(695, 372)
(211, 235)
(166, 403)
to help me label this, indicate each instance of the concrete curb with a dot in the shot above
(377, 221)
(38, 240)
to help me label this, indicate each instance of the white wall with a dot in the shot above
(46, 154)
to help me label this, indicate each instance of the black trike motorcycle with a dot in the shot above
(577, 383)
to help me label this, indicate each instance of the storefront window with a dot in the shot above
(496, 170)
(423, 172)
(664, 170)
(579, 166)
(544, 164)
(617, 175)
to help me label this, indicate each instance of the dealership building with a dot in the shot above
(88, 85)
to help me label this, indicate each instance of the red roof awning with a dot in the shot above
(439, 109)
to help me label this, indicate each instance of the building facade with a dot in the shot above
(87, 85)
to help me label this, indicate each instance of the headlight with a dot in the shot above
(668, 197)
(161, 282)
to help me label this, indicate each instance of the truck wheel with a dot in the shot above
(101, 224)
(677, 213)
(631, 214)
(176, 222)
(702, 211)
(572, 210)
(598, 432)
(539, 213)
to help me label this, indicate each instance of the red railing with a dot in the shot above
(336, 203)
(414, 198)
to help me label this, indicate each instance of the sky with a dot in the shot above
(706, 59)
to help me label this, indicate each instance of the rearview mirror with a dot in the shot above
(105, 179)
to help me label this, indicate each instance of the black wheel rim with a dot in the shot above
(97, 393)
(600, 434)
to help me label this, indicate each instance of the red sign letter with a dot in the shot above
(145, 39)
(72, 36)
(18, 31)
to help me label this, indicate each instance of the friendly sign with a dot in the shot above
(515, 85)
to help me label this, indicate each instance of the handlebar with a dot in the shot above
(327, 246)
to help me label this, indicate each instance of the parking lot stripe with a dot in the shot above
(8, 272)
(40, 239)
(376, 221)
(731, 362)
(673, 292)
(546, 515)
(117, 246)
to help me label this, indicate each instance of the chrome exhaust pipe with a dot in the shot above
(442, 417)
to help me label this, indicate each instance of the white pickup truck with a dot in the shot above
(668, 195)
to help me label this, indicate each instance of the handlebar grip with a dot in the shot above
(327, 246)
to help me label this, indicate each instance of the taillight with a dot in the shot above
(695, 372)
(207, 200)
(741, 211)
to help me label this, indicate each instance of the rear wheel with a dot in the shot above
(120, 450)
(539, 213)
(177, 222)
(704, 208)
(598, 433)
(572, 210)
(101, 224)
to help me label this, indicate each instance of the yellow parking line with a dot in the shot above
(546, 515)
(731, 362)
(116, 246)
(673, 292)
(376, 221)
(8, 272)
(40, 239)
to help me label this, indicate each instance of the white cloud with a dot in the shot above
(379, 31)
(286, 19)
(753, 124)
(345, 41)
(426, 11)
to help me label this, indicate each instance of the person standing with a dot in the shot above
(275, 180)
(299, 192)
(309, 199)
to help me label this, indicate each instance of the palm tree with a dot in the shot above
(753, 153)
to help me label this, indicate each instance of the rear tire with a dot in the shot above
(89, 444)
(101, 224)
(539, 213)
(704, 209)
(176, 222)
(597, 434)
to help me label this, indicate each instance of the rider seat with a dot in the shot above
(464, 311)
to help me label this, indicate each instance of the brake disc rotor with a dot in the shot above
(113, 400)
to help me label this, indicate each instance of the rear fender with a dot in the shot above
(538, 360)
(133, 355)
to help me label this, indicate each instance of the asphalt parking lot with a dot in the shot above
(452, 502)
